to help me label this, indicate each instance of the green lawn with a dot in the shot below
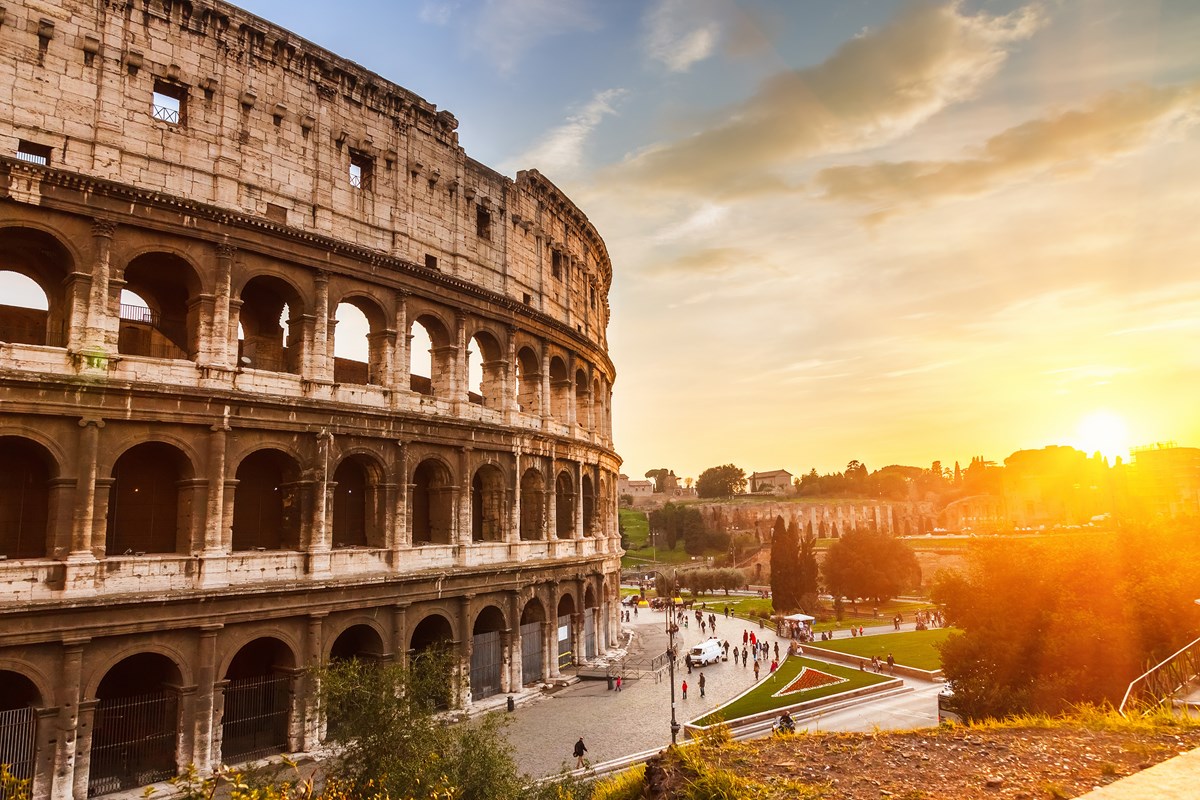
(911, 648)
(761, 697)
(640, 553)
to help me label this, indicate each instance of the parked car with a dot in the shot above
(707, 652)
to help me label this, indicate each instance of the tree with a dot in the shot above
(806, 570)
(659, 477)
(785, 566)
(723, 481)
(873, 564)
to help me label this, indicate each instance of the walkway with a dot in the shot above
(638, 718)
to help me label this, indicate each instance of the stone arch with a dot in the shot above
(358, 502)
(27, 472)
(528, 383)
(429, 326)
(41, 256)
(487, 652)
(435, 630)
(270, 339)
(533, 611)
(533, 505)
(266, 506)
(359, 330)
(599, 408)
(485, 370)
(560, 389)
(358, 641)
(166, 324)
(257, 700)
(135, 725)
(149, 504)
(589, 505)
(583, 401)
(566, 604)
(533, 632)
(20, 697)
(432, 502)
(489, 508)
(589, 596)
(564, 505)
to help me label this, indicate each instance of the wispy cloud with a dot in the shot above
(1065, 144)
(561, 151)
(504, 30)
(680, 33)
(437, 12)
(872, 89)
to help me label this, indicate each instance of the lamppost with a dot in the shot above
(672, 627)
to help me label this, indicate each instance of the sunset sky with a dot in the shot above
(888, 231)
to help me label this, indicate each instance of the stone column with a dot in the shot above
(381, 358)
(400, 633)
(546, 400)
(464, 506)
(402, 536)
(466, 646)
(235, 316)
(85, 489)
(229, 496)
(579, 532)
(62, 784)
(314, 656)
(83, 744)
(218, 347)
(514, 533)
(203, 755)
(215, 510)
(96, 338)
(42, 781)
(514, 642)
(320, 531)
(461, 383)
(572, 410)
(400, 358)
(550, 524)
(510, 386)
(320, 367)
(550, 642)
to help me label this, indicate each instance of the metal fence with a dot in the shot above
(589, 633)
(18, 740)
(565, 657)
(133, 742)
(1163, 682)
(255, 721)
(531, 652)
(486, 659)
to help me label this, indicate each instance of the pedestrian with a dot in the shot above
(580, 749)
(774, 666)
(726, 649)
(685, 690)
(687, 660)
(745, 636)
(891, 664)
(756, 669)
(777, 651)
(635, 611)
(618, 683)
(701, 682)
(860, 630)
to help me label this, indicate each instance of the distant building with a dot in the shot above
(1055, 486)
(1165, 480)
(634, 488)
(777, 481)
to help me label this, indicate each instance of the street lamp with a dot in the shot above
(672, 627)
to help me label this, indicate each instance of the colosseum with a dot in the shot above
(285, 377)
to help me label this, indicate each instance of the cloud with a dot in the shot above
(680, 33)
(504, 30)
(874, 88)
(1064, 144)
(708, 261)
(560, 152)
(437, 12)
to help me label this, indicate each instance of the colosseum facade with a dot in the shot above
(300, 381)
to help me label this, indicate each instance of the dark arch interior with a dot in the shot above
(138, 674)
(257, 701)
(532, 505)
(39, 257)
(432, 503)
(266, 509)
(589, 505)
(564, 506)
(487, 504)
(350, 498)
(25, 473)
(357, 641)
(144, 507)
(262, 656)
(489, 619)
(533, 612)
(166, 327)
(566, 605)
(263, 345)
(17, 691)
(135, 725)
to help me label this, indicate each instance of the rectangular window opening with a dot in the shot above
(483, 223)
(33, 152)
(556, 264)
(169, 103)
(430, 261)
(360, 170)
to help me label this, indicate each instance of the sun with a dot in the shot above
(1103, 432)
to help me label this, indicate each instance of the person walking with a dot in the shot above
(684, 687)
(580, 749)
(756, 669)
(891, 664)
(701, 682)
(618, 683)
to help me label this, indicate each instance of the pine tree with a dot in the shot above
(806, 583)
(784, 566)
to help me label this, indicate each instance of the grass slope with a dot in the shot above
(911, 648)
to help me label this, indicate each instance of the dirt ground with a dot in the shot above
(959, 763)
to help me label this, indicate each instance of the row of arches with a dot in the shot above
(155, 502)
(144, 704)
(334, 330)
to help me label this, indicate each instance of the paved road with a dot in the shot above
(616, 724)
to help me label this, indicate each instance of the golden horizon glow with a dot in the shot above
(1103, 432)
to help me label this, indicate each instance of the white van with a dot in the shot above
(707, 652)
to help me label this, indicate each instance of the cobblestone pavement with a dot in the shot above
(615, 724)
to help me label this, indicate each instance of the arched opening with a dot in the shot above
(356, 504)
(34, 270)
(271, 337)
(432, 645)
(432, 503)
(564, 505)
(599, 410)
(145, 512)
(485, 371)
(564, 631)
(19, 701)
(560, 389)
(589, 506)
(430, 356)
(533, 618)
(26, 470)
(533, 505)
(258, 701)
(529, 381)
(135, 725)
(488, 509)
(158, 317)
(583, 403)
(358, 641)
(487, 653)
(266, 502)
(360, 349)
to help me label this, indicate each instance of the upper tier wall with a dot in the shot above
(253, 118)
